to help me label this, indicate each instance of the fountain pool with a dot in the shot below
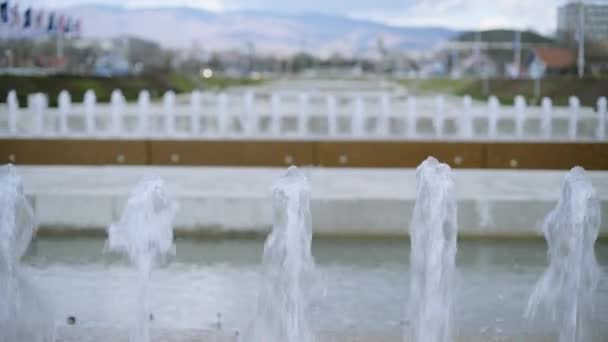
(211, 284)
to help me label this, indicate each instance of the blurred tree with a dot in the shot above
(302, 61)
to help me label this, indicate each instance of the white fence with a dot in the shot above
(309, 116)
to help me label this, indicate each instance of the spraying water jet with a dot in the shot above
(433, 233)
(145, 234)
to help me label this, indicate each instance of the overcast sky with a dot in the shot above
(461, 14)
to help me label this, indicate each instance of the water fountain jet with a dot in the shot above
(282, 312)
(145, 234)
(433, 233)
(566, 289)
(23, 314)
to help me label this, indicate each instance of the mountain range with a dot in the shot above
(267, 32)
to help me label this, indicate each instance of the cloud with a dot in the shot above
(540, 15)
(460, 14)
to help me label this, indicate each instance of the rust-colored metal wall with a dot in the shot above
(231, 153)
(398, 154)
(593, 156)
(73, 152)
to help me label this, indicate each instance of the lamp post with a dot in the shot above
(581, 39)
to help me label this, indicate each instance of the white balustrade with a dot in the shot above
(575, 107)
(385, 112)
(64, 102)
(13, 112)
(332, 119)
(412, 117)
(143, 108)
(249, 120)
(395, 117)
(520, 116)
(601, 118)
(37, 104)
(117, 103)
(303, 115)
(195, 112)
(89, 111)
(275, 114)
(466, 123)
(358, 118)
(493, 113)
(439, 117)
(222, 114)
(545, 124)
(169, 112)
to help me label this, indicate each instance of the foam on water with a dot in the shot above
(145, 234)
(433, 232)
(283, 301)
(23, 314)
(566, 289)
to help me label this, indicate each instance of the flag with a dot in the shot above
(51, 25)
(68, 25)
(4, 12)
(16, 19)
(61, 24)
(39, 20)
(27, 18)
(517, 40)
(77, 27)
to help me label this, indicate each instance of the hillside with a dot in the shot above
(280, 33)
(503, 36)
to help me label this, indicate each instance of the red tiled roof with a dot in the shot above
(555, 58)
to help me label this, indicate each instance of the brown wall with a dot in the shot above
(593, 156)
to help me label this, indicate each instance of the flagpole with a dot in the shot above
(581, 39)
(517, 54)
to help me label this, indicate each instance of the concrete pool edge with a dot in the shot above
(345, 202)
(74, 334)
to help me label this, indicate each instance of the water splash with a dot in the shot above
(23, 314)
(567, 287)
(145, 234)
(433, 233)
(282, 312)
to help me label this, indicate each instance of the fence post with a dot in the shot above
(117, 102)
(250, 120)
(38, 107)
(493, 108)
(546, 124)
(332, 119)
(601, 117)
(143, 108)
(169, 112)
(303, 115)
(384, 120)
(89, 111)
(575, 108)
(466, 128)
(13, 110)
(222, 114)
(358, 118)
(438, 118)
(64, 102)
(275, 114)
(520, 115)
(411, 118)
(195, 112)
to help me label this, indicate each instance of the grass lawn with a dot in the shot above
(558, 89)
(130, 86)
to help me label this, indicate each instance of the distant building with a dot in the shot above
(595, 21)
(111, 65)
(551, 61)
